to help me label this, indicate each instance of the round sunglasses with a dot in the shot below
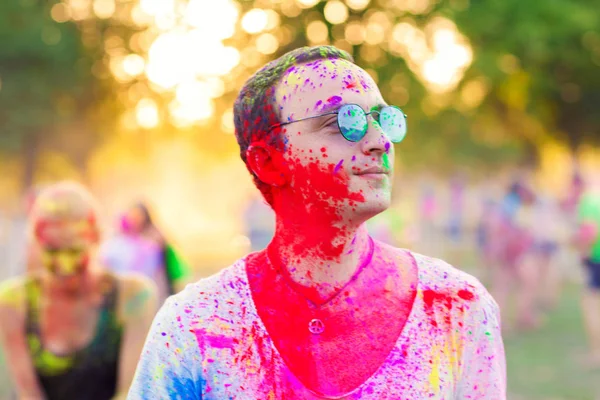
(353, 124)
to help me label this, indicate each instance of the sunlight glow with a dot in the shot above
(227, 122)
(357, 5)
(189, 113)
(439, 54)
(307, 3)
(317, 32)
(133, 64)
(255, 21)
(60, 13)
(267, 43)
(79, 9)
(216, 20)
(335, 12)
(157, 7)
(185, 51)
(146, 113)
(104, 8)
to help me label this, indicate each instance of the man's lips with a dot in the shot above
(373, 170)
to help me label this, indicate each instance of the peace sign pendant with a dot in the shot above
(316, 326)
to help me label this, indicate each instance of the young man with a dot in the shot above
(324, 312)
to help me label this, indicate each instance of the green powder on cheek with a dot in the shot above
(386, 161)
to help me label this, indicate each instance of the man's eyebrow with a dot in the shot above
(330, 107)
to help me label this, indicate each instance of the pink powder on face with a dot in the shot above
(334, 100)
(327, 194)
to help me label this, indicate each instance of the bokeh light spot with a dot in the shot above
(336, 12)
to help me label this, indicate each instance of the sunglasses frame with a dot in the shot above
(337, 112)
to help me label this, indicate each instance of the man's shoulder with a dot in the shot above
(211, 295)
(12, 300)
(437, 272)
(223, 283)
(12, 290)
(439, 276)
(432, 272)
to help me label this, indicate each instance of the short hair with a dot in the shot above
(255, 111)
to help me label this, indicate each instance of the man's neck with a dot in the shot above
(314, 258)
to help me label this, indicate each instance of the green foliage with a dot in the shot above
(43, 70)
(542, 59)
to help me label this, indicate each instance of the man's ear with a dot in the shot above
(267, 164)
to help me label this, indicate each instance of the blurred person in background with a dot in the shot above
(536, 242)
(325, 311)
(69, 329)
(548, 227)
(487, 232)
(140, 247)
(587, 241)
(428, 211)
(575, 191)
(515, 273)
(499, 228)
(456, 210)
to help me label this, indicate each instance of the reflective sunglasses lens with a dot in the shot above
(352, 122)
(393, 123)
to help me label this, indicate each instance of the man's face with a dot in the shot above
(135, 219)
(325, 169)
(66, 245)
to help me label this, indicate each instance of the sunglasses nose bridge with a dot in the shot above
(375, 139)
(375, 130)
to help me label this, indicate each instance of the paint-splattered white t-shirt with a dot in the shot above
(208, 342)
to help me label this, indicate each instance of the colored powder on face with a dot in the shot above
(294, 79)
(45, 230)
(318, 104)
(338, 166)
(386, 162)
(334, 100)
(324, 194)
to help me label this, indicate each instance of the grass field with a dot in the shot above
(543, 365)
(547, 364)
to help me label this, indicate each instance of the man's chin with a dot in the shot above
(371, 207)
